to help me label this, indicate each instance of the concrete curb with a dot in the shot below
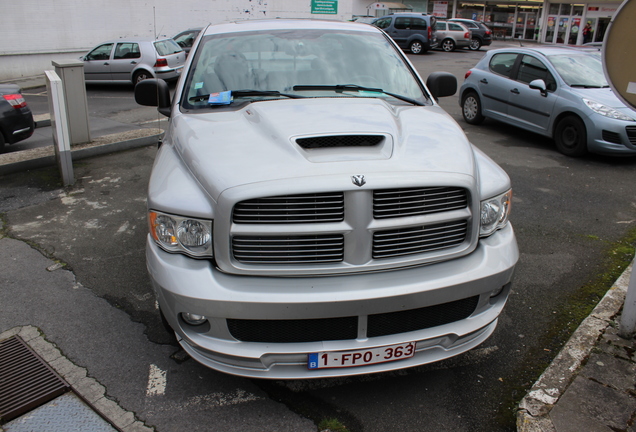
(45, 156)
(533, 412)
(86, 387)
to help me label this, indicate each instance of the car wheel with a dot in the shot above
(475, 44)
(448, 45)
(471, 108)
(1, 143)
(140, 76)
(417, 47)
(570, 136)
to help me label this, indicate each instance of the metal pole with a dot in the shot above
(627, 325)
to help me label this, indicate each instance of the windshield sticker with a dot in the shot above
(198, 86)
(222, 98)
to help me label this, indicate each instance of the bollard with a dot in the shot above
(627, 325)
(59, 123)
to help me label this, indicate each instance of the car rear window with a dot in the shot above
(166, 47)
(502, 63)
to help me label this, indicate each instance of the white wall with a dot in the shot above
(35, 32)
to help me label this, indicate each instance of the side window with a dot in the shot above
(532, 69)
(127, 50)
(471, 25)
(441, 26)
(502, 63)
(455, 27)
(102, 52)
(418, 24)
(403, 23)
(383, 23)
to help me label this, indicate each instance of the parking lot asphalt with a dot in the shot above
(588, 386)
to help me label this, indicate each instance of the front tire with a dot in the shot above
(475, 44)
(471, 108)
(448, 45)
(1, 143)
(417, 47)
(570, 136)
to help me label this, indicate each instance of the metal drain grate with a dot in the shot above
(26, 381)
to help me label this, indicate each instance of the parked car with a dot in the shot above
(412, 31)
(365, 19)
(134, 60)
(481, 34)
(558, 92)
(313, 212)
(452, 35)
(16, 119)
(186, 38)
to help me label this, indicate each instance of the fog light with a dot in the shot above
(496, 292)
(193, 319)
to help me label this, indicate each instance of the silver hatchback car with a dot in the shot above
(134, 60)
(558, 92)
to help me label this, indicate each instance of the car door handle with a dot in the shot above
(515, 91)
(133, 62)
(483, 81)
(106, 64)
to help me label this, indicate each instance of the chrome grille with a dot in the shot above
(391, 203)
(414, 240)
(305, 249)
(340, 141)
(306, 208)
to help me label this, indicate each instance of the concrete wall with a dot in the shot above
(36, 32)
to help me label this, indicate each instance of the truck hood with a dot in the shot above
(227, 147)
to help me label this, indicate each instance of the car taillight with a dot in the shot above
(161, 62)
(468, 74)
(467, 35)
(430, 32)
(16, 100)
(488, 32)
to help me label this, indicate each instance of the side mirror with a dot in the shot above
(154, 92)
(539, 84)
(441, 84)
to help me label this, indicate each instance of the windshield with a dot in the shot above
(580, 70)
(278, 61)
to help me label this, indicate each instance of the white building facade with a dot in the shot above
(36, 32)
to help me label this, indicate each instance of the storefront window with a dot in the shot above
(554, 9)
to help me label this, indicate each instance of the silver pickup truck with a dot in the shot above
(314, 213)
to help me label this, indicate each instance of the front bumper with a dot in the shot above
(610, 136)
(195, 286)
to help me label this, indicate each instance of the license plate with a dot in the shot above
(340, 359)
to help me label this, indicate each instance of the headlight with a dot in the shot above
(180, 234)
(494, 213)
(606, 111)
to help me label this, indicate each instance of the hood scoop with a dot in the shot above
(328, 148)
(340, 141)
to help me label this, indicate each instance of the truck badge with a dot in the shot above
(358, 180)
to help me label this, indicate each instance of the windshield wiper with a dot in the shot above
(353, 87)
(247, 93)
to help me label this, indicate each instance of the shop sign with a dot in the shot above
(440, 9)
